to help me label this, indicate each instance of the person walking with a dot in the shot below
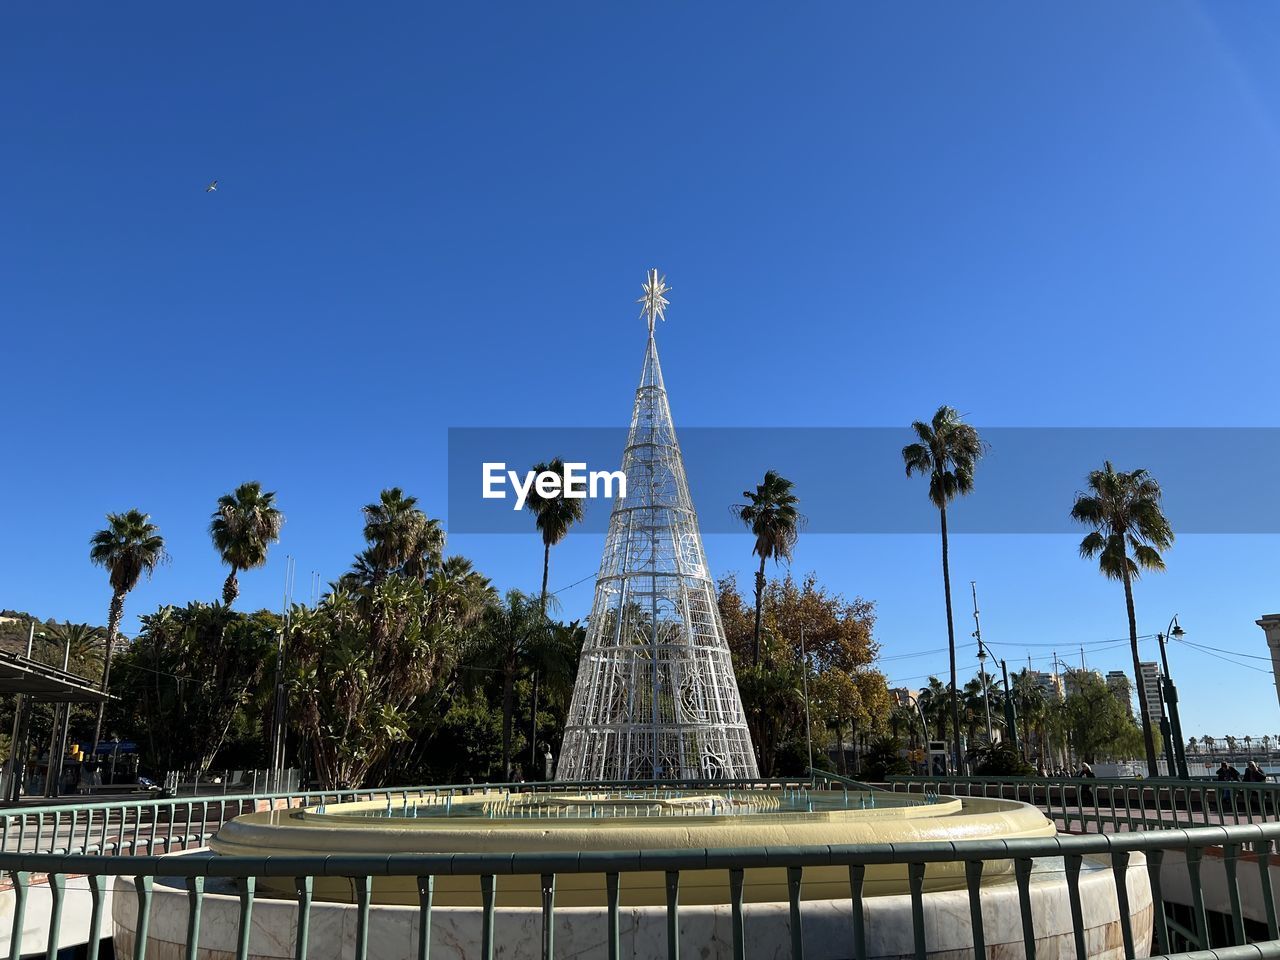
(1086, 790)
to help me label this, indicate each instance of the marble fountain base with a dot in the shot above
(705, 931)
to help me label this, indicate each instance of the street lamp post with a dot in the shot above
(1171, 699)
(982, 659)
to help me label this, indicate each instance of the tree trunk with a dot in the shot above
(1148, 741)
(755, 641)
(842, 762)
(114, 616)
(231, 587)
(951, 644)
(533, 714)
(508, 706)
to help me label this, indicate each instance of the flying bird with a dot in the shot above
(212, 187)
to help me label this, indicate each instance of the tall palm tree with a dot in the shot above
(770, 512)
(245, 524)
(1129, 531)
(947, 451)
(129, 546)
(402, 539)
(553, 516)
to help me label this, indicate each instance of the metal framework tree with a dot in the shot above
(655, 697)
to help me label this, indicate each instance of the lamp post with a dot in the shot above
(1171, 698)
(982, 659)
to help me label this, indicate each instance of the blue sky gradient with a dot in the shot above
(433, 217)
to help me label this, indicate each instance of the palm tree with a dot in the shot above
(513, 629)
(80, 645)
(1129, 531)
(129, 546)
(947, 451)
(554, 516)
(772, 516)
(245, 524)
(402, 539)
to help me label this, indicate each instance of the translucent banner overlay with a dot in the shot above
(851, 479)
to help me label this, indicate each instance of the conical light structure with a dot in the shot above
(655, 697)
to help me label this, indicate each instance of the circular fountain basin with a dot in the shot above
(498, 822)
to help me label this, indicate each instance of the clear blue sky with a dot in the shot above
(435, 216)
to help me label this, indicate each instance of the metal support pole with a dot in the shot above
(1171, 703)
(982, 659)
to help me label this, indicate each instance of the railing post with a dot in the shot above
(58, 892)
(303, 887)
(1072, 863)
(97, 892)
(612, 894)
(245, 886)
(915, 881)
(364, 897)
(488, 899)
(857, 877)
(1155, 860)
(1231, 856)
(973, 880)
(794, 876)
(1193, 855)
(548, 915)
(1022, 873)
(736, 877)
(426, 893)
(673, 915)
(1263, 851)
(142, 886)
(195, 903)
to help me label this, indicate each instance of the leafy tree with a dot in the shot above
(513, 631)
(1032, 708)
(845, 691)
(1001, 760)
(773, 701)
(1129, 531)
(360, 660)
(770, 512)
(129, 546)
(192, 675)
(884, 759)
(1097, 723)
(245, 524)
(947, 451)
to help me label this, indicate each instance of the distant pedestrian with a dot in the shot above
(1086, 791)
(1227, 774)
(1253, 774)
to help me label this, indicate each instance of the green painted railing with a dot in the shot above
(1108, 805)
(152, 826)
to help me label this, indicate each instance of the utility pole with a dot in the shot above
(982, 659)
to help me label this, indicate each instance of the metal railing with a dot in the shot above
(1109, 805)
(147, 823)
